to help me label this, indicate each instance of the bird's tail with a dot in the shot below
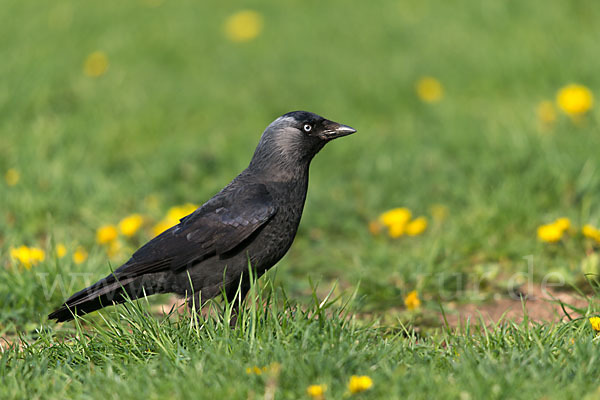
(105, 292)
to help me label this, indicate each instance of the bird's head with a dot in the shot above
(295, 138)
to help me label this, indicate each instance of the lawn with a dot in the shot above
(114, 109)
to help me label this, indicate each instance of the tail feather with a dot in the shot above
(105, 292)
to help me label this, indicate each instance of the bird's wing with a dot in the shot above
(216, 228)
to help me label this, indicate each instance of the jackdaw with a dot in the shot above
(251, 222)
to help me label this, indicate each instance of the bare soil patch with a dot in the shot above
(540, 305)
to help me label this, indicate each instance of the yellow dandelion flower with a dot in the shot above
(416, 226)
(178, 212)
(563, 223)
(27, 257)
(574, 99)
(316, 391)
(95, 64)
(19, 253)
(255, 370)
(162, 226)
(359, 384)
(595, 322)
(395, 216)
(412, 301)
(106, 234)
(80, 255)
(12, 176)
(60, 250)
(549, 233)
(243, 26)
(131, 224)
(546, 112)
(429, 89)
(173, 216)
(37, 254)
(591, 232)
(439, 212)
(396, 230)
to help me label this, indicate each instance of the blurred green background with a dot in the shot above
(112, 108)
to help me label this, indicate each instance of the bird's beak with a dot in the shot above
(334, 130)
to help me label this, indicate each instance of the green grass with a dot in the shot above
(177, 115)
(130, 354)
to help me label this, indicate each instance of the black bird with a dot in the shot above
(252, 221)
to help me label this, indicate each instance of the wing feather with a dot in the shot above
(216, 228)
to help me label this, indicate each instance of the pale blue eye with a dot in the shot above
(307, 128)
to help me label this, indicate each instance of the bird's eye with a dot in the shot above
(307, 128)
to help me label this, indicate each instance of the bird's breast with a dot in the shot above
(278, 234)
